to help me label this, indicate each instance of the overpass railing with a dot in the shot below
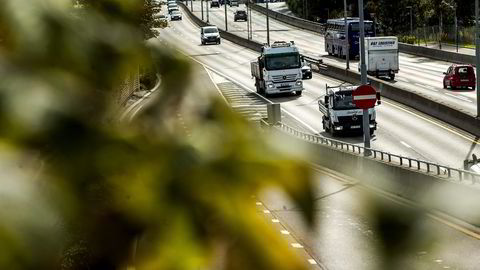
(399, 160)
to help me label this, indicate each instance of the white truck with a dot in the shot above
(340, 115)
(278, 69)
(381, 56)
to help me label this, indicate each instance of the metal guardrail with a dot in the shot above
(314, 61)
(411, 163)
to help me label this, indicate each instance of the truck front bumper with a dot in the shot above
(353, 126)
(277, 88)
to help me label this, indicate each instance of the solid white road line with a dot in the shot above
(405, 144)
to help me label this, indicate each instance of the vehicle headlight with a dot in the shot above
(270, 85)
(339, 128)
(298, 83)
(334, 118)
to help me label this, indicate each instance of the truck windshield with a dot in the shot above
(282, 61)
(343, 102)
(210, 30)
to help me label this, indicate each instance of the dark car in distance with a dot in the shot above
(240, 15)
(215, 3)
(459, 76)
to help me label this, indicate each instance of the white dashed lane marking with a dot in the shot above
(296, 245)
(405, 144)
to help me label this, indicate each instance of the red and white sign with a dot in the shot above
(364, 97)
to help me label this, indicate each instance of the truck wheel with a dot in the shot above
(392, 76)
(444, 85)
(332, 132)
(371, 132)
(298, 93)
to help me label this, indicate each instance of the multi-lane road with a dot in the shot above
(418, 74)
(345, 238)
(401, 130)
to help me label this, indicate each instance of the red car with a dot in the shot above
(459, 76)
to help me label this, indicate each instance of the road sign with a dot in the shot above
(364, 97)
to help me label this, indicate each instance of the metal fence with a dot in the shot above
(434, 36)
(406, 162)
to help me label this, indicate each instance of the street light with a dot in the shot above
(250, 20)
(363, 69)
(305, 9)
(268, 25)
(454, 8)
(411, 20)
(201, 5)
(477, 55)
(347, 54)
(208, 13)
(226, 25)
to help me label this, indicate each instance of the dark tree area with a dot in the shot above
(392, 16)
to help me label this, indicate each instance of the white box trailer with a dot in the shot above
(381, 56)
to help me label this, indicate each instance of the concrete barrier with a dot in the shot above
(437, 54)
(297, 22)
(434, 108)
(403, 47)
(460, 200)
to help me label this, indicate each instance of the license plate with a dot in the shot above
(355, 127)
(464, 80)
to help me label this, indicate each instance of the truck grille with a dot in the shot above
(351, 120)
(284, 78)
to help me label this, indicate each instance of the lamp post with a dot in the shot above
(374, 23)
(268, 25)
(201, 7)
(347, 54)
(363, 68)
(226, 17)
(208, 13)
(477, 55)
(250, 20)
(411, 20)
(191, 5)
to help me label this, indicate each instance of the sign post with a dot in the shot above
(365, 97)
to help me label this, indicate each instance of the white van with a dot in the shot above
(209, 34)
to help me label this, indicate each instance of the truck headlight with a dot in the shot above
(298, 83)
(270, 85)
(338, 128)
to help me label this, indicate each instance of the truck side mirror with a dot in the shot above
(326, 101)
(378, 99)
(444, 73)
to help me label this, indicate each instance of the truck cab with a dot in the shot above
(278, 69)
(340, 115)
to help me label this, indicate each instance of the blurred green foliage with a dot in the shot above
(80, 192)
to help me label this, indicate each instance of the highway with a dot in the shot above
(417, 74)
(400, 130)
(344, 237)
